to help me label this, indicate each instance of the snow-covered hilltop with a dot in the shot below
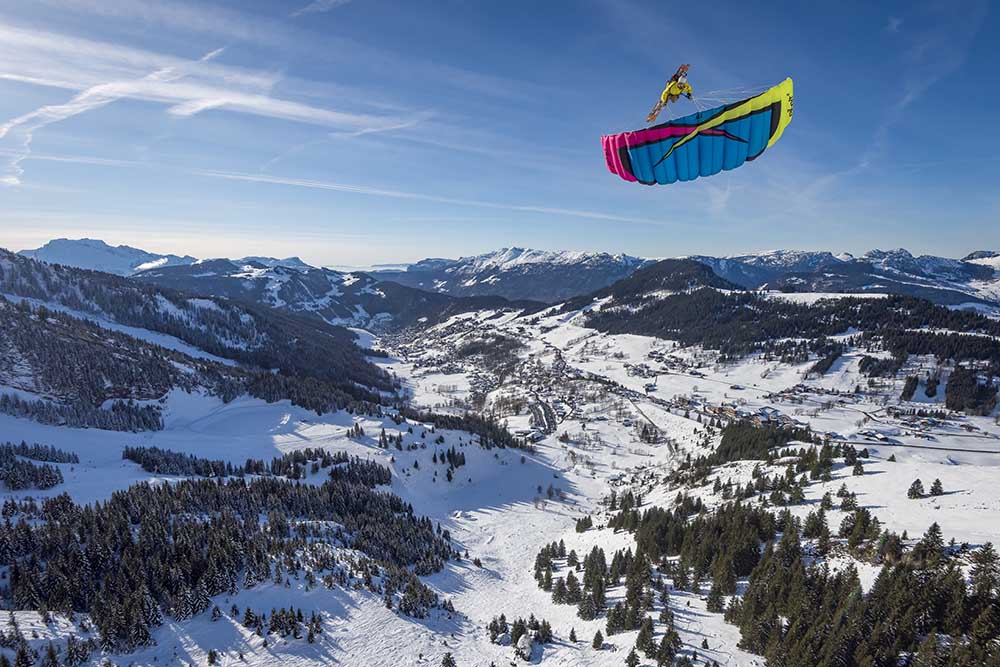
(123, 260)
(97, 255)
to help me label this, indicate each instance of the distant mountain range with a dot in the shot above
(124, 260)
(390, 296)
(97, 255)
(973, 279)
(518, 273)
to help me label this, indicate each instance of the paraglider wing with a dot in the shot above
(703, 143)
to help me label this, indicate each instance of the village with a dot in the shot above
(557, 376)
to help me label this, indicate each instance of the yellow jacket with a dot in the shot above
(675, 88)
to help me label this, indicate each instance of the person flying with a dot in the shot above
(677, 85)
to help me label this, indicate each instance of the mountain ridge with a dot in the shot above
(525, 274)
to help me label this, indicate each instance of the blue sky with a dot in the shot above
(360, 131)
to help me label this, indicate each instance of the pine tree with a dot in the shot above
(859, 469)
(23, 657)
(572, 635)
(559, 591)
(572, 588)
(632, 660)
(985, 572)
(448, 660)
(916, 490)
(598, 642)
(587, 610)
(986, 626)
(51, 658)
(936, 488)
(644, 641)
(669, 645)
(715, 603)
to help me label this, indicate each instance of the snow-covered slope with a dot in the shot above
(346, 299)
(519, 273)
(97, 255)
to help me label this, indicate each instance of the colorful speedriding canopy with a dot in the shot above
(703, 143)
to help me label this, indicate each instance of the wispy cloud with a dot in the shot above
(95, 97)
(717, 196)
(319, 6)
(930, 54)
(417, 196)
(175, 15)
(187, 19)
(103, 73)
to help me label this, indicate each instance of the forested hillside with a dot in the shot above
(677, 301)
(66, 370)
(254, 336)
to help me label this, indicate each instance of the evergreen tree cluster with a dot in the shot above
(75, 652)
(123, 415)
(797, 614)
(291, 465)
(453, 458)
(588, 590)
(743, 440)
(284, 623)
(490, 432)
(19, 474)
(723, 545)
(742, 322)
(964, 392)
(539, 630)
(170, 548)
(879, 367)
(822, 366)
(37, 452)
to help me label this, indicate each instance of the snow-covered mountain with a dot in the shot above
(123, 260)
(97, 255)
(518, 273)
(754, 270)
(973, 279)
(393, 295)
